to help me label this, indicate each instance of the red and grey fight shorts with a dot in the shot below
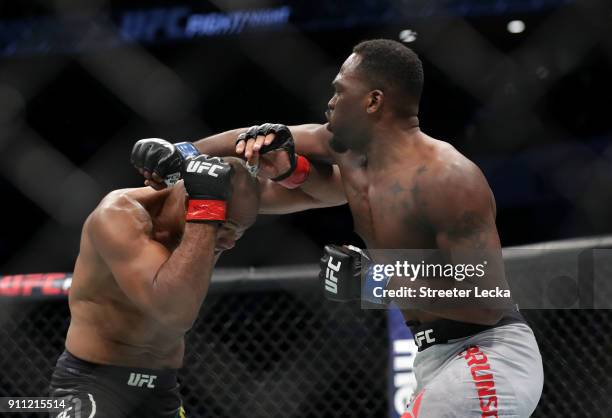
(493, 373)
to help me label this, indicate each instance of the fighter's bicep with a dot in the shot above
(135, 272)
(277, 200)
(323, 189)
(132, 257)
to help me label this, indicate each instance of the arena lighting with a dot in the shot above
(516, 26)
(407, 35)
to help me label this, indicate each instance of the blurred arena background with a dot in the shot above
(522, 87)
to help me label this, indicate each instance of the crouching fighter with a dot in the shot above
(143, 271)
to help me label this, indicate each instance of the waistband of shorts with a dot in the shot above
(442, 331)
(135, 377)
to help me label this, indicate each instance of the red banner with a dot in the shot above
(38, 285)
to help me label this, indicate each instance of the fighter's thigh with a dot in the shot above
(448, 396)
(87, 405)
(467, 386)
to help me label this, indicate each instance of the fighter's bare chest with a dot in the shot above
(385, 209)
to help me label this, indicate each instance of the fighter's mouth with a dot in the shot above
(328, 117)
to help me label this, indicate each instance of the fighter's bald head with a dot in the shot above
(242, 205)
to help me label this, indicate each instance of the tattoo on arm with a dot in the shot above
(396, 189)
(413, 204)
(417, 195)
(469, 227)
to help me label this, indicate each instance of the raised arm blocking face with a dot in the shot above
(243, 206)
(148, 272)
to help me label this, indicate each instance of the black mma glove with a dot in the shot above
(208, 181)
(282, 141)
(161, 157)
(341, 272)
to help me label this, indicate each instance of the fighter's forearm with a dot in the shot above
(181, 284)
(310, 141)
(323, 188)
(220, 145)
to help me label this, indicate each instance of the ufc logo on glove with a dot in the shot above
(331, 281)
(200, 166)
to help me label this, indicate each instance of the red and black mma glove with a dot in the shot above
(299, 168)
(162, 158)
(208, 181)
(341, 272)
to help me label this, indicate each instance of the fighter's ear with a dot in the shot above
(375, 101)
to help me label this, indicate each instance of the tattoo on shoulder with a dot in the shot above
(471, 227)
(410, 199)
(416, 191)
(417, 196)
(416, 207)
(397, 188)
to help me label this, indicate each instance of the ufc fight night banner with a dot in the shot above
(190, 20)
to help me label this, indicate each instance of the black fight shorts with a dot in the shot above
(92, 390)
